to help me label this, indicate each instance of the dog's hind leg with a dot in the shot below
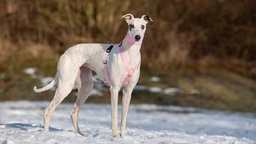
(84, 84)
(67, 73)
(61, 92)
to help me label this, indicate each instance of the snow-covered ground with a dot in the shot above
(22, 122)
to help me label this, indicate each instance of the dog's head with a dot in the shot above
(137, 26)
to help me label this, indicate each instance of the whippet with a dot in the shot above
(118, 65)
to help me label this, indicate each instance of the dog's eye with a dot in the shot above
(131, 26)
(142, 27)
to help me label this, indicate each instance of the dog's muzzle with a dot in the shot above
(137, 37)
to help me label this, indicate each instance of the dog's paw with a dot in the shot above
(122, 135)
(115, 134)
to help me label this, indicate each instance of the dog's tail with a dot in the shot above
(50, 85)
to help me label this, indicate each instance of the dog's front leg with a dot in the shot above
(125, 104)
(114, 109)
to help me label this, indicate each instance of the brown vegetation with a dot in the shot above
(185, 35)
(214, 30)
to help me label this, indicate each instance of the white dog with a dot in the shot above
(118, 65)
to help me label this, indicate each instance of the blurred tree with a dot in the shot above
(183, 31)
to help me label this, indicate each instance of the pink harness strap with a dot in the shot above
(124, 58)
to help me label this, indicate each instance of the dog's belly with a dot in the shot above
(99, 72)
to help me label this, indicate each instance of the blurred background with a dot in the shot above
(196, 53)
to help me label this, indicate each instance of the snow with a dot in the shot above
(155, 89)
(46, 80)
(172, 91)
(155, 79)
(152, 89)
(31, 71)
(22, 122)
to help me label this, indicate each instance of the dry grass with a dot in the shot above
(185, 36)
(230, 89)
(182, 31)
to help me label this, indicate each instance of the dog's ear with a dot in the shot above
(128, 17)
(146, 18)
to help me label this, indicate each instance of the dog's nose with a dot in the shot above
(137, 37)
